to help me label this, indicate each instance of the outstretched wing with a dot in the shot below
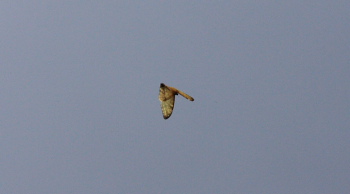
(167, 99)
(176, 91)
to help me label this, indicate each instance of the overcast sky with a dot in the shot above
(79, 108)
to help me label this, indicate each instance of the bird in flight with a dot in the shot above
(167, 99)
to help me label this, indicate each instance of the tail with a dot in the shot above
(188, 97)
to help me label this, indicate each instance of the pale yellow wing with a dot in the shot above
(176, 91)
(167, 99)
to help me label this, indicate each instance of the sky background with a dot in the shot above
(79, 108)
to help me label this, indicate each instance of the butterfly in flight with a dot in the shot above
(167, 99)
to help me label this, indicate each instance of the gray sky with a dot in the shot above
(79, 97)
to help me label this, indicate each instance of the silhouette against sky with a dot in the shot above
(79, 97)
